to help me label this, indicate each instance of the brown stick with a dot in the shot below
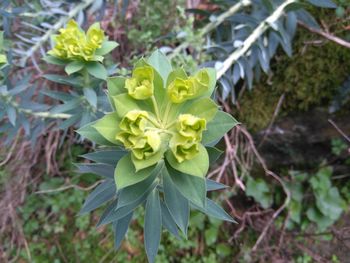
(326, 35)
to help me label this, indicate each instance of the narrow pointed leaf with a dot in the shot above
(191, 187)
(120, 228)
(213, 186)
(168, 221)
(101, 194)
(176, 203)
(153, 225)
(104, 170)
(89, 132)
(110, 157)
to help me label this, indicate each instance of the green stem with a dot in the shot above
(86, 78)
(167, 111)
(155, 106)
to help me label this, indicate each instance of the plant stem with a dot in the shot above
(254, 36)
(166, 113)
(46, 114)
(155, 106)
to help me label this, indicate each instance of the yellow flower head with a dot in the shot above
(140, 85)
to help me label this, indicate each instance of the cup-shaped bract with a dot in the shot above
(190, 126)
(140, 86)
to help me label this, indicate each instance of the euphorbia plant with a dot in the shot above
(156, 149)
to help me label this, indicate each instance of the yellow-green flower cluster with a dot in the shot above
(161, 114)
(145, 134)
(72, 43)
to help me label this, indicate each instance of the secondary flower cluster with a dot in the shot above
(72, 42)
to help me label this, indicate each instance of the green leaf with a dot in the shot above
(126, 175)
(106, 47)
(115, 86)
(260, 191)
(89, 132)
(198, 166)
(214, 210)
(153, 225)
(90, 96)
(211, 235)
(54, 60)
(177, 73)
(203, 108)
(67, 106)
(105, 156)
(177, 204)
(101, 194)
(108, 127)
(104, 170)
(191, 187)
(213, 186)
(322, 221)
(214, 154)
(168, 221)
(112, 213)
(12, 115)
(124, 103)
(212, 81)
(323, 3)
(330, 203)
(97, 70)
(217, 128)
(120, 228)
(160, 63)
(133, 192)
(73, 67)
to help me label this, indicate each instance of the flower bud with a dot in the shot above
(140, 85)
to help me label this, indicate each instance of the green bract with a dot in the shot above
(140, 86)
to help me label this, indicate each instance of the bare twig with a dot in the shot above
(66, 187)
(326, 35)
(339, 130)
(277, 109)
(212, 25)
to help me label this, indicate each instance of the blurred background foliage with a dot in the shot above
(286, 112)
